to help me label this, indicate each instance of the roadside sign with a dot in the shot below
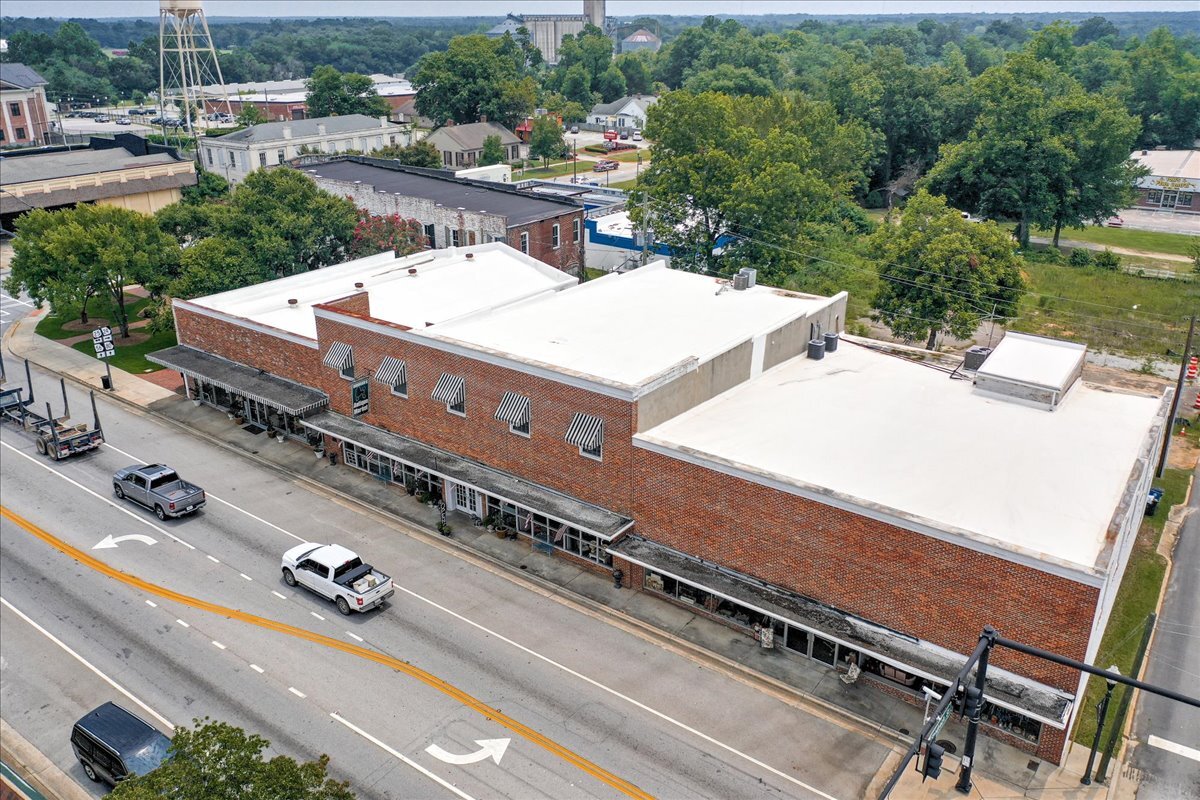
(102, 342)
(941, 723)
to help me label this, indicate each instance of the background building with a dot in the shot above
(546, 30)
(1174, 180)
(288, 99)
(462, 145)
(640, 39)
(24, 114)
(235, 155)
(627, 112)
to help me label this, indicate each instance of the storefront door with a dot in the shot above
(256, 412)
(1170, 199)
(465, 499)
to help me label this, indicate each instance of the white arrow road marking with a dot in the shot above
(113, 541)
(488, 748)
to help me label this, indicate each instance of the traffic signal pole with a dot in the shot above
(986, 640)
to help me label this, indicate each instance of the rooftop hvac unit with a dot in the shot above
(975, 357)
(816, 349)
(741, 282)
(831, 341)
(751, 276)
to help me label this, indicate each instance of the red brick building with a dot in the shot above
(697, 435)
(24, 114)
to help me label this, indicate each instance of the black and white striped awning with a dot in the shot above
(392, 371)
(586, 431)
(450, 389)
(514, 409)
(340, 356)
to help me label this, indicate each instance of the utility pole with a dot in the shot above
(645, 231)
(1183, 362)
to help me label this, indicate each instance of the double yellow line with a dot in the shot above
(621, 785)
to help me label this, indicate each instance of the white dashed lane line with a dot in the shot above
(277, 594)
(297, 692)
(318, 616)
(218, 645)
(244, 575)
(184, 624)
(257, 668)
(354, 636)
(152, 604)
(212, 559)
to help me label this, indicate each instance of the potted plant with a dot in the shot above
(271, 433)
(422, 497)
(410, 486)
(444, 529)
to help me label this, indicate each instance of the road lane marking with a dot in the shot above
(87, 664)
(297, 692)
(318, 616)
(488, 748)
(212, 496)
(401, 756)
(277, 594)
(1172, 747)
(120, 508)
(488, 712)
(354, 636)
(244, 575)
(257, 669)
(110, 542)
(213, 559)
(184, 624)
(593, 682)
(218, 645)
(152, 604)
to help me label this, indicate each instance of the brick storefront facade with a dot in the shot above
(279, 355)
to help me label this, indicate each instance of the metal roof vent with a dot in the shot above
(751, 276)
(741, 282)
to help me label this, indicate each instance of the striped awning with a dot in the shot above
(340, 356)
(450, 389)
(392, 371)
(514, 409)
(586, 431)
(251, 383)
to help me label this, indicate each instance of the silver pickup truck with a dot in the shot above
(336, 574)
(159, 488)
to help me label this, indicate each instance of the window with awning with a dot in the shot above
(451, 390)
(514, 409)
(341, 357)
(586, 432)
(394, 373)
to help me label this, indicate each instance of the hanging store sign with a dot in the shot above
(360, 396)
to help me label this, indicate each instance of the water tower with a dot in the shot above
(187, 60)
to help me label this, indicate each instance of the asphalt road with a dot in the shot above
(1168, 733)
(596, 709)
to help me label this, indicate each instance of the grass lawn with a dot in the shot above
(592, 274)
(1105, 317)
(627, 185)
(554, 170)
(1136, 599)
(131, 358)
(1152, 241)
(629, 156)
(51, 326)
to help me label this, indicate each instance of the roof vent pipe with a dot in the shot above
(412, 271)
(470, 256)
(358, 284)
(293, 302)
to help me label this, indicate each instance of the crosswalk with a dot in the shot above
(11, 309)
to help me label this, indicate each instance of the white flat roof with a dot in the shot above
(906, 440)
(1035, 360)
(628, 328)
(1170, 163)
(447, 285)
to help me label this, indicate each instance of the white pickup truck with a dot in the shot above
(337, 574)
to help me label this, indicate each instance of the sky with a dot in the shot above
(617, 8)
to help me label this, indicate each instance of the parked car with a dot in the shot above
(574, 129)
(604, 165)
(113, 744)
(967, 216)
(624, 134)
(159, 488)
(1114, 222)
(637, 136)
(338, 574)
(124, 121)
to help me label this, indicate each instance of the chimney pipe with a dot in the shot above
(293, 302)
(358, 284)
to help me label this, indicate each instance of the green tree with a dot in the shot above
(212, 265)
(546, 139)
(217, 761)
(332, 93)
(637, 74)
(941, 274)
(1014, 159)
(493, 151)
(417, 154)
(469, 78)
(577, 86)
(728, 79)
(209, 186)
(611, 84)
(250, 115)
(91, 249)
(1094, 29)
(375, 234)
(1165, 90)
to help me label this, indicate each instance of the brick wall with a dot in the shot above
(568, 256)
(274, 354)
(913, 583)
(542, 457)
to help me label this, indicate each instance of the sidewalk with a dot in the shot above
(1001, 771)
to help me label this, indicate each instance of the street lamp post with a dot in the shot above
(1101, 713)
(574, 162)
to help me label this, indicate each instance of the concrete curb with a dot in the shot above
(32, 765)
(585, 604)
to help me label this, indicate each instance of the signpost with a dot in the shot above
(102, 341)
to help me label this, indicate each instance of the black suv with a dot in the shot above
(113, 744)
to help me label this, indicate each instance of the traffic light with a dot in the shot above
(971, 702)
(932, 768)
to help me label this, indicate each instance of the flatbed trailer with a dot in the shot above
(54, 437)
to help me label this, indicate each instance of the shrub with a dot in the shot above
(1108, 260)
(1081, 257)
(874, 200)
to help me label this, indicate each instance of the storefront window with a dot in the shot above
(549, 534)
(823, 650)
(796, 639)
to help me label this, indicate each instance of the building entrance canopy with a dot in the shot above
(584, 516)
(253, 384)
(1006, 689)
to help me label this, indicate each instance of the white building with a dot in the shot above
(236, 155)
(628, 112)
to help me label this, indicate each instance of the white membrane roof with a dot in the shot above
(1035, 360)
(626, 329)
(905, 439)
(447, 284)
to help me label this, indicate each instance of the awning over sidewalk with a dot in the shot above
(564, 508)
(254, 384)
(907, 653)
